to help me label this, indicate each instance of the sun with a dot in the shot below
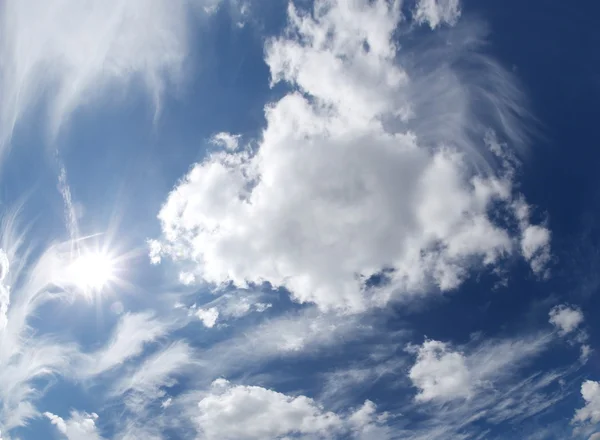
(92, 271)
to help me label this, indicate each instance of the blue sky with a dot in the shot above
(244, 220)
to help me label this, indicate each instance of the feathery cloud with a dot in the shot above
(65, 53)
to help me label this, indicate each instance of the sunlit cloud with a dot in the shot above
(63, 54)
(399, 181)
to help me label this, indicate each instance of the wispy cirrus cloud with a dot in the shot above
(28, 359)
(64, 53)
(132, 333)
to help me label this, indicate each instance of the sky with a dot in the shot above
(319, 219)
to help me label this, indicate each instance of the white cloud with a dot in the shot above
(132, 333)
(565, 318)
(590, 391)
(146, 383)
(302, 334)
(187, 278)
(439, 373)
(229, 305)
(444, 373)
(586, 351)
(367, 169)
(166, 403)
(239, 412)
(28, 360)
(535, 246)
(436, 12)
(67, 52)
(208, 316)
(595, 436)
(80, 426)
(465, 388)
(227, 140)
(4, 290)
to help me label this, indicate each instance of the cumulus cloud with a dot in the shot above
(443, 373)
(436, 12)
(439, 373)
(65, 53)
(463, 390)
(535, 246)
(240, 412)
(80, 426)
(590, 391)
(595, 436)
(208, 316)
(364, 185)
(565, 318)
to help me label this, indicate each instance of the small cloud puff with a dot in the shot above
(208, 316)
(566, 319)
(227, 140)
(440, 373)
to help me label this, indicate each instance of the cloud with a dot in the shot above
(436, 12)
(566, 319)
(303, 333)
(465, 390)
(250, 412)
(208, 316)
(595, 436)
(363, 187)
(586, 351)
(29, 360)
(439, 373)
(131, 334)
(80, 426)
(65, 53)
(590, 391)
(146, 383)
(69, 208)
(227, 140)
(229, 306)
(4, 290)
(535, 246)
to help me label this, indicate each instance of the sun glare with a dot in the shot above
(92, 271)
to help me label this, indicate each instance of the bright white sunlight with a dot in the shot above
(92, 271)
